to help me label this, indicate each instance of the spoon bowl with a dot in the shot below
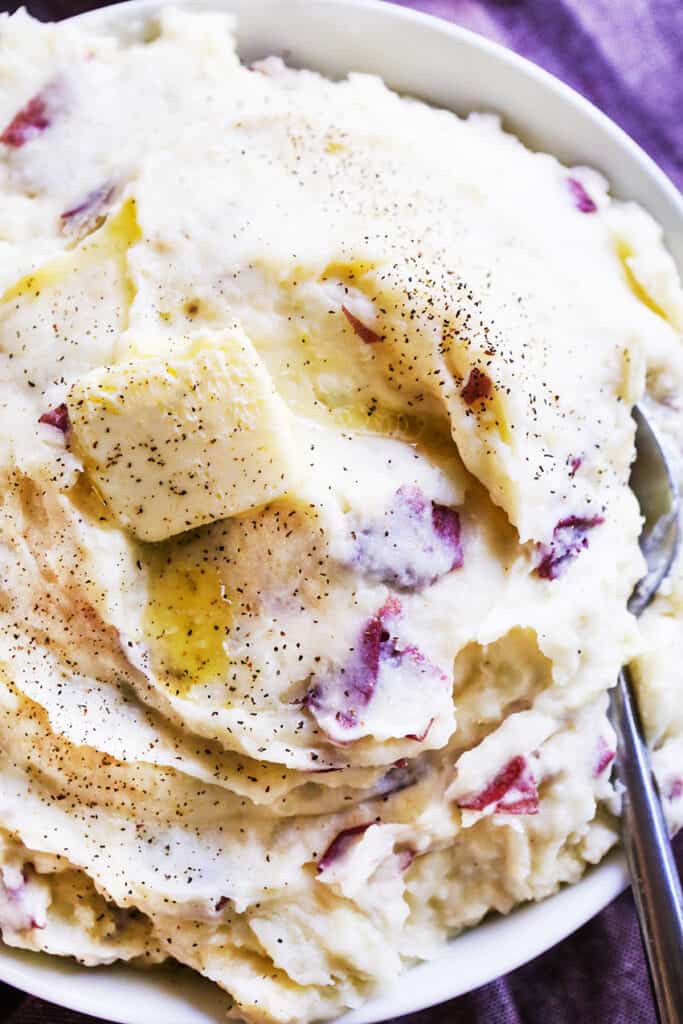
(655, 487)
(654, 877)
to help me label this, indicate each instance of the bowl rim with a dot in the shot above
(58, 979)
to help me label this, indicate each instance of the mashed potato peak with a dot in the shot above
(316, 533)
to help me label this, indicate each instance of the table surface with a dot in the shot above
(626, 56)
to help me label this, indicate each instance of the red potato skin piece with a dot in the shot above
(340, 845)
(30, 121)
(16, 895)
(604, 755)
(361, 683)
(525, 805)
(375, 646)
(582, 201)
(570, 538)
(406, 858)
(675, 789)
(419, 737)
(402, 566)
(390, 609)
(57, 417)
(509, 777)
(479, 387)
(363, 668)
(446, 522)
(90, 205)
(365, 333)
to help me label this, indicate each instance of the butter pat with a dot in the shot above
(175, 443)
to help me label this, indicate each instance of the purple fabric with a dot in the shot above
(627, 57)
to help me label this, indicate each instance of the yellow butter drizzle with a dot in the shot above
(85, 497)
(350, 272)
(625, 252)
(111, 241)
(188, 617)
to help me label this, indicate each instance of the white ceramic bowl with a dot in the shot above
(453, 68)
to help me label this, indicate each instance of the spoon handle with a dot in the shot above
(656, 885)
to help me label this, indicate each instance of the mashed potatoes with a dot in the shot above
(316, 536)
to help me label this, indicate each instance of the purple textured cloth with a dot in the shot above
(627, 57)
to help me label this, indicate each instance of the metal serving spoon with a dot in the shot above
(656, 886)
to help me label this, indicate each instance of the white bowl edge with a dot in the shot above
(450, 67)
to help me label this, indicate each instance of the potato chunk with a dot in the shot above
(175, 443)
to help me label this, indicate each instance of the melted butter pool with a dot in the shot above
(188, 617)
